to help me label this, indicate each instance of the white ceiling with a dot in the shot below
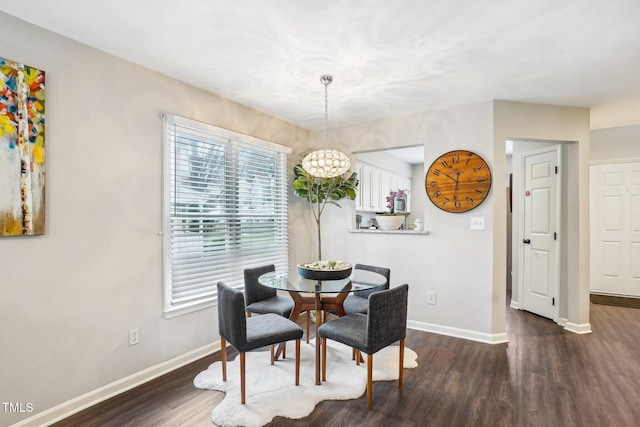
(413, 155)
(388, 58)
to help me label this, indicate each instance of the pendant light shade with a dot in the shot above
(326, 163)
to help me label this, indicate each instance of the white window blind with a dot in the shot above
(225, 209)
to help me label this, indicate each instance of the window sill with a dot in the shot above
(171, 312)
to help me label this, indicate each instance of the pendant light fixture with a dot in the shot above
(326, 163)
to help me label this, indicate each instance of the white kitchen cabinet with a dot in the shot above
(359, 201)
(387, 182)
(374, 186)
(370, 188)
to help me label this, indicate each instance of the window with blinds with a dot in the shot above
(225, 209)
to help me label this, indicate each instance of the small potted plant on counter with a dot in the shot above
(396, 203)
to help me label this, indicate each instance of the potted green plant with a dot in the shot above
(322, 191)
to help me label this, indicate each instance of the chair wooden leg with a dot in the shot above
(358, 357)
(369, 379)
(353, 354)
(273, 355)
(223, 355)
(284, 350)
(242, 382)
(298, 362)
(248, 314)
(401, 363)
(308, 323)
(324, 359)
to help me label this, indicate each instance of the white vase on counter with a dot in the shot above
(389, 222)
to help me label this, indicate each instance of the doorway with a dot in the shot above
(538, 248)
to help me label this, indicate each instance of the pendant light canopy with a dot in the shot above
(326, 163)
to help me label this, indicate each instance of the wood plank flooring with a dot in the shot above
(544, 376)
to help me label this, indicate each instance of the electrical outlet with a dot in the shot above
(134, 336)
(431, 297)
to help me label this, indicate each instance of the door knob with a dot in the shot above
(526, 241)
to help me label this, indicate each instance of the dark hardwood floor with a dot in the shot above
(544, 376)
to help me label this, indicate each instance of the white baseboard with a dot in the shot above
(458, 333)
(70, 407)
(578, 328)
(561, 321)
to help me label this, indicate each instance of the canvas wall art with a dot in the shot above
(22, 149)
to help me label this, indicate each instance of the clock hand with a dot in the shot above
(455, 189)
(449, 176)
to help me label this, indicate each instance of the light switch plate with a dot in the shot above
(476, 223)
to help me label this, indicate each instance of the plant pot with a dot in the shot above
(389, 222)
(399, 205)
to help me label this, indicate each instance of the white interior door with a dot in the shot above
(615, 229)
(540, 231)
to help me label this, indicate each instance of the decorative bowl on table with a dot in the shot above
(324, 270)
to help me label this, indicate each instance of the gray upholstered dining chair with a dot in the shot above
(357, 303)
(261, 299)
(246, 334)
(384, 324)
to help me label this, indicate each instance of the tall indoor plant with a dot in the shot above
(320, 191)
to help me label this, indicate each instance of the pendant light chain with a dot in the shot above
(326, 111)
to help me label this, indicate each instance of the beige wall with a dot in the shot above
(70, 297)
(616, 113)
(617, 143)
(451, 260)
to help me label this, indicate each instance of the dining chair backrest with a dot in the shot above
(380, 270)
(384, 324)
(246, 334)
(232, 322)
(387, 317)
(253, 290)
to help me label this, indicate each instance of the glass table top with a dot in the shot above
(359, 280)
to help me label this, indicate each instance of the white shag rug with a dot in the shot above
(271, 390)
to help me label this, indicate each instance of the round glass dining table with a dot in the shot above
(328, 296)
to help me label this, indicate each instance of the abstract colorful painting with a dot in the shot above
(22, 172)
